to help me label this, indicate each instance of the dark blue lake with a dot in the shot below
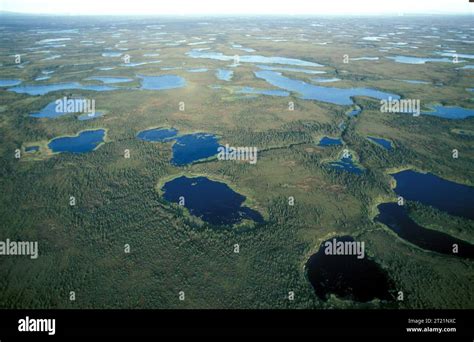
(426, 188)
(162, 82)
(347, 277)
(157, 134)
(327, 141)
(306, 91)
(386, 144)
(346, 164)
(214, 202)
(85, 141)
(193, 147)
(396, 218)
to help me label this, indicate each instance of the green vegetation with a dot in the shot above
(118, 202)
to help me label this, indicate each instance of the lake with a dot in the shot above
(396, 218)
(9, 83)
(157, 134)
(214, 202)
(85, 141)
(450, 112)
(162, 82)
(224, 74)
(193, 147)
(251, 58)
(110, 79)
(347, 277)
(426, 188)
(386, 144)
(327, 141)
(346, 164)
(47, 88)
(306, 91)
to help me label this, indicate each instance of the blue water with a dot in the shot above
(47, 88)
(453, 198)
(162, 82)
(467, 67)
(157, 134)
(382, 142)
(418, 60)
(9, 83)
(251, 58)
(109, 79)
(304, 71)
(193, 147)
(32, 149)
(450, 112)
(214, 202)
(326, 141)
(354, 112)
(346, 164)
(306, 91)
(224, 74)
(397, 219)
(269, 92)
(86, 141)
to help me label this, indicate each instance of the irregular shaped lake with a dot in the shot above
(157, 134)
(396, 218)
(250, 58)
(193, 147)
(386, 144)
(326, 141)
(85, 141)
(47, 88)
(450, 112)
(346, 164)
(306, 91)
(224, 74)
(9, 83)
(212, 201)
(162, 82)
(426, 188)
(346, 276)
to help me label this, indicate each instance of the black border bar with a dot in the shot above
(242, 323)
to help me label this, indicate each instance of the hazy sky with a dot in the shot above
(197, 7)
